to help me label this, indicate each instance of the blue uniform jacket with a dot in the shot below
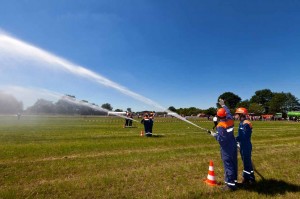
(225, 130)
(148, 123)
(244, 135)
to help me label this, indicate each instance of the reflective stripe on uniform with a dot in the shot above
(247, 172)
(231, 184)
(229, 130)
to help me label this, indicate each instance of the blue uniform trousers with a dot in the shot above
(229, 158)
(248, 172)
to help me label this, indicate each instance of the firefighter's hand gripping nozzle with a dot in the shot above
(212, 133)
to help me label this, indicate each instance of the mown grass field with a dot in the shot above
(95, 157)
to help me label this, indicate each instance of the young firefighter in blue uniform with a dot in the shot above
(244, 140)
(226, 139)
(151, 117)
(130, 120)
(127, 120)
(148, 123)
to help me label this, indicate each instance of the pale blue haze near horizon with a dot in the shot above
(174, 52)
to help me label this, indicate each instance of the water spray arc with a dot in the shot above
(185, 120)
(10, 45)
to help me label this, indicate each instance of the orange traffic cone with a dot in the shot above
(211, 175)
(142, 133)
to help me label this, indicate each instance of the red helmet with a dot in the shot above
(242, 110)
(221, 112)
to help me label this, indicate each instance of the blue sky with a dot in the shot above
(175, 52)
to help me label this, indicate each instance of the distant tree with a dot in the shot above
(283, 102)
(9, 104)
(188, 111)
(172, 108)
(262, 97)
(245, 104)
(291, 103)
(256, 108)
(118, 110)
(193, 111)
(129, 110)
(70, 96)
(231, 99)
(107, 106)
(180, 111)
(211, 111)
(276, 104)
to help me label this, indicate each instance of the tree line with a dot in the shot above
(262, 102)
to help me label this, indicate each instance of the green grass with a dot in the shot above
(95, 157)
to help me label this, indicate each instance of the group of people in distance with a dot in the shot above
(229, 145)
(128, 120)
(147, 121)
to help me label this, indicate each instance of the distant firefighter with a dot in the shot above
(130, 120)
(148, 124)
(126, 120)
(152, 121)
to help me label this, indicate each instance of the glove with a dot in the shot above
(212, 133)
(221, 102)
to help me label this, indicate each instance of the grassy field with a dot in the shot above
(95, 157)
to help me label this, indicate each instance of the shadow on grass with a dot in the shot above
(272, 187)
(156, 136)
(267, 187)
